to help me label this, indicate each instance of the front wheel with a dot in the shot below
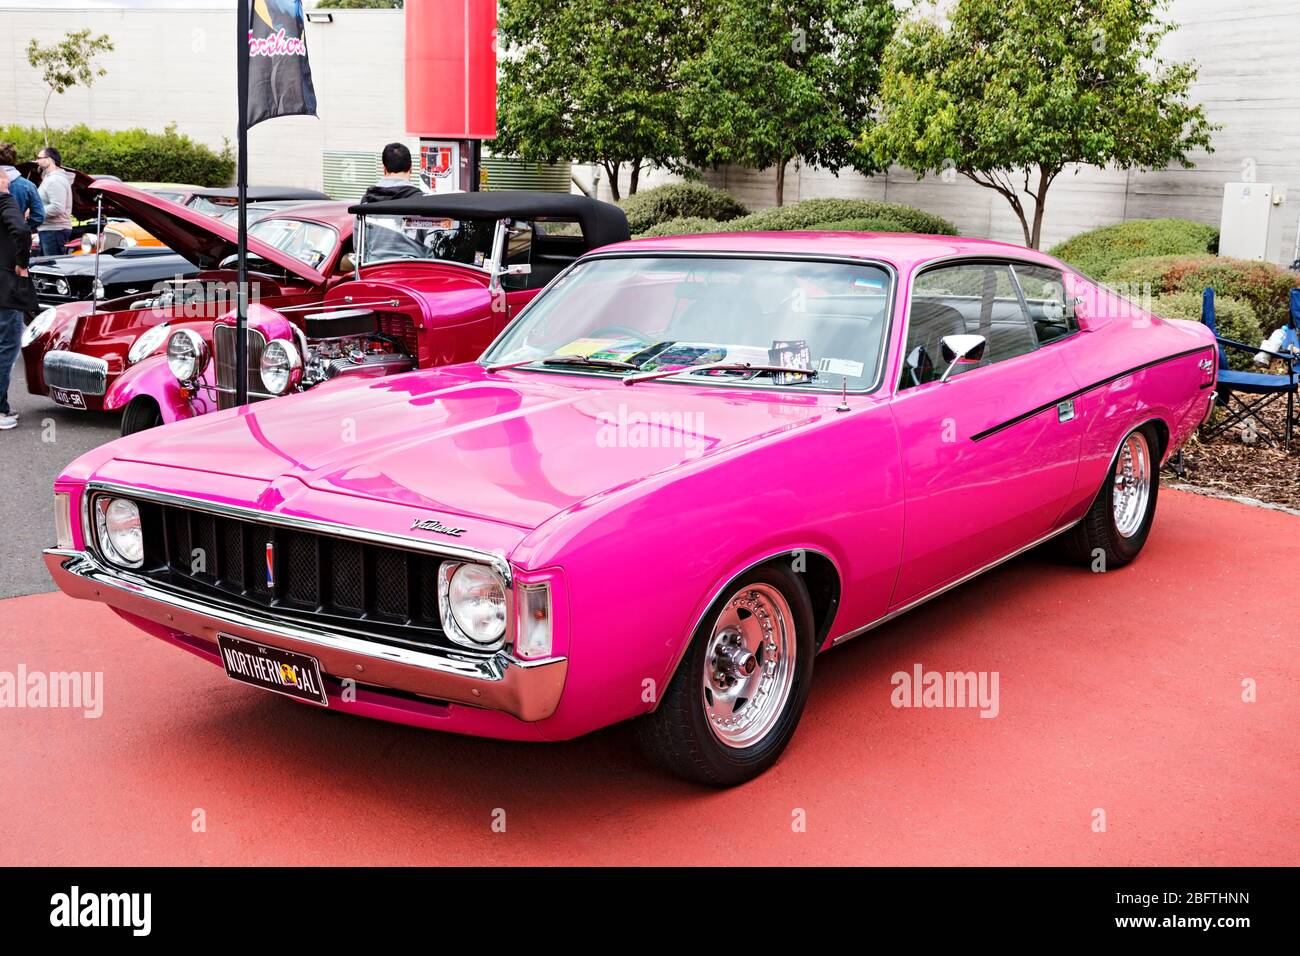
(1119, 521)
(737, 696)
(139, 415)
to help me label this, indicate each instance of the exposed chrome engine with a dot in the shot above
(328, 358)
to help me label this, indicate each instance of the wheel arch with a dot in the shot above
(820, 574)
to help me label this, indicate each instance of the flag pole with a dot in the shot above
(241, 185)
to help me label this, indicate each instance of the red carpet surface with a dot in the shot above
(1120, 702)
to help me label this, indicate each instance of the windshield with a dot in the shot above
(661, 313)
(308, 242)
(466, 241)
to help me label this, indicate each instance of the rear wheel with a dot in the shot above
(140, 415)
(737, 696)
(1118, 523)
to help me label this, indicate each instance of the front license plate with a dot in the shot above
(294, 675)
(69, 398)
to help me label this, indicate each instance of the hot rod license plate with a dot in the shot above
(284, 672)
(68, 398)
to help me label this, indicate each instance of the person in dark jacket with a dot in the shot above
(15, 250)
(396, 182)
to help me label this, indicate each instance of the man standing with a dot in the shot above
(396, 181)
(15, 248)
(24, 192)
(56, 193)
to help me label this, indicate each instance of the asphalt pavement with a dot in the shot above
(46, 439)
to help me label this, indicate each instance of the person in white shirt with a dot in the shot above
(56, 194)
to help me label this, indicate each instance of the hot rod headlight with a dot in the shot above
(187, 354)
(117, 521)
(472, 603)
(147, 343)
(40, 325)
(281, 367)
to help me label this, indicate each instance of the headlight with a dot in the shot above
(40, 325)
(281, 367)
(99, 289)
(472, 603)
(120, 539)
(187, 355)
(88, 242)
(129, 241)
(61, 287)
(147, 343)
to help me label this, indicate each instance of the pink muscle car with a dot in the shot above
(689, 467)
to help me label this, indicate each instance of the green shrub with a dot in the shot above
(1265, 287)
(133, 155)
(1233, 318)
(810, 212)
(679, 201)
(1097, 251)
(684, 226)
(861, 224)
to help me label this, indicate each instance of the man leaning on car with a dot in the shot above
(15, 249)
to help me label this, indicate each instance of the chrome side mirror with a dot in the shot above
(961, 350)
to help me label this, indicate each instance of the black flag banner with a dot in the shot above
(279, 76)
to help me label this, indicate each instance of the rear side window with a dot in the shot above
(970, 297)
(1050, 310)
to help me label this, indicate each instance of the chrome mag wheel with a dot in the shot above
(1132, 487)
(749, 666)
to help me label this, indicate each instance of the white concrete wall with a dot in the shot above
(178, 65)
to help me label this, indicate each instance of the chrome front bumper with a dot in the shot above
(71, 370)
(528, 690)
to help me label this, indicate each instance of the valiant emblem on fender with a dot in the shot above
(437, 527)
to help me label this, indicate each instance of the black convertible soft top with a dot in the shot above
(602, 223)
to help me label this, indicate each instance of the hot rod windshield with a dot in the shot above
(429, 239)
(627, 314)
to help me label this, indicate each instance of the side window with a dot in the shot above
(1050, 309)
(974, 297)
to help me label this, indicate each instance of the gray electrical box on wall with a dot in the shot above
(1251, 224)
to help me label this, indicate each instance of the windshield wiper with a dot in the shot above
(567, 360)
(722, 366)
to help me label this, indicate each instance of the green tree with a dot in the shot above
(1009, 93)
(68, 63)
(592, 81)
(785, 80)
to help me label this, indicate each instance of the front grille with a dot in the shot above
(85, 373)
(388, 593)
(224, 339)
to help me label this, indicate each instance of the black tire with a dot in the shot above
(678, 736)
(1097, 535)
(140, 415)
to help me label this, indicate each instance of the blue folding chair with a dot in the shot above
(1243, 395)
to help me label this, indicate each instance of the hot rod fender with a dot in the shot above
(152, 378)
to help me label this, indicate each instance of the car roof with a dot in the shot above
(902, 250)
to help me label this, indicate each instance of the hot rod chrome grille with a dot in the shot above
(224, 339)
(85, 373)
(388, 593)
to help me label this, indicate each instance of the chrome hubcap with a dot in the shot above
(749, 667)
(1132, 485)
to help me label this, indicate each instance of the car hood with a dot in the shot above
(154, 256)
(200, 238)
(514, 448)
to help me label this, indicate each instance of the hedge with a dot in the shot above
(677, 201)
(821, 215)
(861, 224)
(133, 155)
(1097, 251)
(1265, 287)
(812, 212)
(1233, 318)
